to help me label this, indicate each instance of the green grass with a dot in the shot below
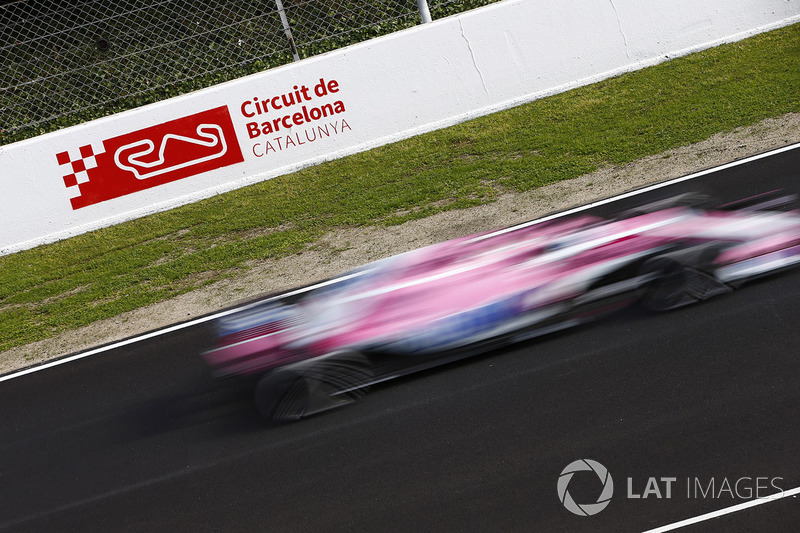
(71, 283)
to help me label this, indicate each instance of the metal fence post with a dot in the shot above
(288, 30)
(424, 12)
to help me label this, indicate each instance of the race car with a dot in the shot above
(447, 301)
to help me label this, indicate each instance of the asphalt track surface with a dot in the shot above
(140, 439)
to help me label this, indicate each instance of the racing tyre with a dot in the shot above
(296, 391)
(676, 285)
(281, 395)
(693, 200)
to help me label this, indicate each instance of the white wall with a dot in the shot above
(387, 89)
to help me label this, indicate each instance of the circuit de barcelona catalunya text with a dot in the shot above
(457, 298)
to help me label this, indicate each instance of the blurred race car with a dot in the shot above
(454, 299)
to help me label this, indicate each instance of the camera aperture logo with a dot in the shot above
(585, 509)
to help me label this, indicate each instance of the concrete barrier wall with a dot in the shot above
(265, 125)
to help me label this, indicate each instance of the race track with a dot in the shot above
(140, 439)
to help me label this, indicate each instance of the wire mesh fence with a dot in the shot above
(63, 62)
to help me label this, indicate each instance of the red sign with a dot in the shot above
(150, 157)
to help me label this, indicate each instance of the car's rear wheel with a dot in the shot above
(676, 284)
(281, 393)
(667, 291)
(309, 387)
(693, 200)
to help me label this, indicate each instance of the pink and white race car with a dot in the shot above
(457, 298)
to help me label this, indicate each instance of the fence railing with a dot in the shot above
(63, 62)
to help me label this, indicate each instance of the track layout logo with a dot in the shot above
(150, 157)
(585, 509)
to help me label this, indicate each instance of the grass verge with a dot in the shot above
(72, 283)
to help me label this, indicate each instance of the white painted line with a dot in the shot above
(208, 318)
(170, 329)
(727, 510)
